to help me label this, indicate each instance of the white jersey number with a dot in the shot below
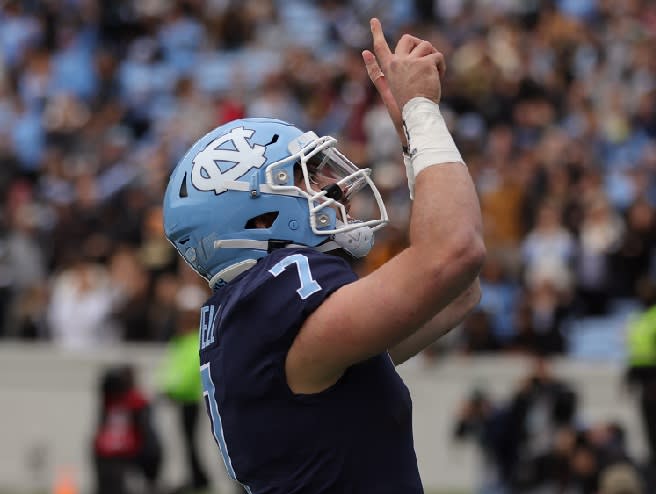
(308, 283)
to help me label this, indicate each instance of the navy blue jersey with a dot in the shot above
(354, 437)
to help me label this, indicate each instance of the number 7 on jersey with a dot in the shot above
(308, 283)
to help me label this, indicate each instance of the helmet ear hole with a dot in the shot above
(264, 220)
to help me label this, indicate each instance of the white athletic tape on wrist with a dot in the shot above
(410, 173)
(429, 140)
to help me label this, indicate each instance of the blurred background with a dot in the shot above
(548, 387)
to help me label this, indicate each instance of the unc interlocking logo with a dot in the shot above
(225, 159)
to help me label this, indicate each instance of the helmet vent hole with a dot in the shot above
(183, 187)
(273, 140)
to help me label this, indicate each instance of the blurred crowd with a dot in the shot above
(553, 104)
(536, 442)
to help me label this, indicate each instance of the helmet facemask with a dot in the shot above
(329, 181)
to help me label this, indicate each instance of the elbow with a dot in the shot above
(467, 253)
(460, 261)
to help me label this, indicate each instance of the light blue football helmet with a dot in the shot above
(248, 168)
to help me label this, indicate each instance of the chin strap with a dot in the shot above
(328, 246)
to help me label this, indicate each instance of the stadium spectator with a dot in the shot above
(631, 260)
(600, 236)
(81, 308)
(528, 440)
(548, 251)
(25, 267)
(126, 446)
(480, 419)
(543, 314)
(130, 310)
(500, 298)
(641, 369)
(478, 335)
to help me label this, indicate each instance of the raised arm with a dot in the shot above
(454, 313)
(446, 250)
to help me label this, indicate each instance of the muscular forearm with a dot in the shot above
(442, 323)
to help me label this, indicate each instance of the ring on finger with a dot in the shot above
(376, 74)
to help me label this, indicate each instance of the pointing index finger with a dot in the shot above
(381, 48)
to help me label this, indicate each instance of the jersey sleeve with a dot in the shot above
(270, 308)
(301, 279)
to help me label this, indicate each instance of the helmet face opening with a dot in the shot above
(322, 167)
(329, 166)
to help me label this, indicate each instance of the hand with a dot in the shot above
(377, 77)
(413, 69)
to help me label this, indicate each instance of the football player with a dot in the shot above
(297, 354)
